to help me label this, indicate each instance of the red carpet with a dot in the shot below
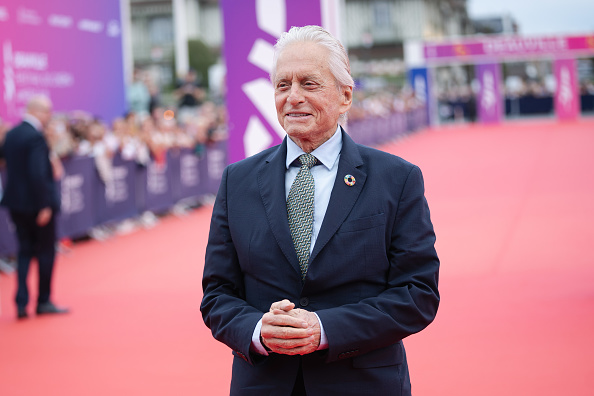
(512, 208)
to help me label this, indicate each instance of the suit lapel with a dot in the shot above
(343, 197)
(271, 182)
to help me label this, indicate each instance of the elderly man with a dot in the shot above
(32, 197)
(320, 258)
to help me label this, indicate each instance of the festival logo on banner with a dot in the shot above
(489, 98)
(156, 183)
(566, 93)
(116, 186)
(73, 197)
(251, 29)
(69, 50)
(460, 50)
(189, 175)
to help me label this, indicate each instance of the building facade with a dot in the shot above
(372, 29)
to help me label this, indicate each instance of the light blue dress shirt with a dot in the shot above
(324, 176)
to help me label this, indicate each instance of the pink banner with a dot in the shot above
(69, 50)
(567, 106)
(489, 101)
(475, 49)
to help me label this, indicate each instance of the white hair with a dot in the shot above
(338, 61)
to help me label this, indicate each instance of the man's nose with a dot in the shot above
(295, 95)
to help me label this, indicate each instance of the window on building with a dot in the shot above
(161, 30)
(381, 15)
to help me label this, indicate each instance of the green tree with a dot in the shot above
(201, 57)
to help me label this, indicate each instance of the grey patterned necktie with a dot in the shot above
(300, 208)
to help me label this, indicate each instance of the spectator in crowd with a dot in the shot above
(137, 94)
(381, 104)
(3, 130)
(100, 145)
(587, 87)
(59, 137)
(189, 94)
(32, 198)
(155, 96)
(315, 276)
(55, 141)
(132, 145)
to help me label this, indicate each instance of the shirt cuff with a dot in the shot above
(256, 345)
(323, 338)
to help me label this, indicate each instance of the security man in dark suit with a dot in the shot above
(320, 258)
(32, 197)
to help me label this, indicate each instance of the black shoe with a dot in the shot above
(22, 313)
(50, 308)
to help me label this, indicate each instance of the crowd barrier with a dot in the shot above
(523, 106)
(529, 105)
(373, 131)
(133, 189)
(587, 103)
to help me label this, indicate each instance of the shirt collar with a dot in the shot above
(33, 121)
(326, 154)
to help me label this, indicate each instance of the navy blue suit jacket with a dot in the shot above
(372, 276)
(30, 184)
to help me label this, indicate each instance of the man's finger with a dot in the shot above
(295, 345)
(284, 319)
(283, 305)
(300, 350)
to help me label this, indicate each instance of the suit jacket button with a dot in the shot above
(304, 301)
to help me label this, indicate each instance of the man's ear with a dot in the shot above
(347, 98)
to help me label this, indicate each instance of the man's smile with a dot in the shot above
(297, 114)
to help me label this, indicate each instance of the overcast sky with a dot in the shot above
(540, 17)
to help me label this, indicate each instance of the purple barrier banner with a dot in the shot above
(253, 124)
(87, 201)
(489, 99)
(418, 119)
(60, 49)
(158, 196)
(77, 215)
(187, 179)
(567, 99)
(215, 162)
(8, 242)
(373, 131)
(174, 165)
(115, 198)
(497, 47)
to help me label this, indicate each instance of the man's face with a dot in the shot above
(308, 102)
(42, 110)
(45, 114)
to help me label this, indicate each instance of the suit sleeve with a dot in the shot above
(411, 298)
(40, 173)
(224, 309)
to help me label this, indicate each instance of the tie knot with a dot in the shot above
(307, 160)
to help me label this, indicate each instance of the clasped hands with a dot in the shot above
(290, 331)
